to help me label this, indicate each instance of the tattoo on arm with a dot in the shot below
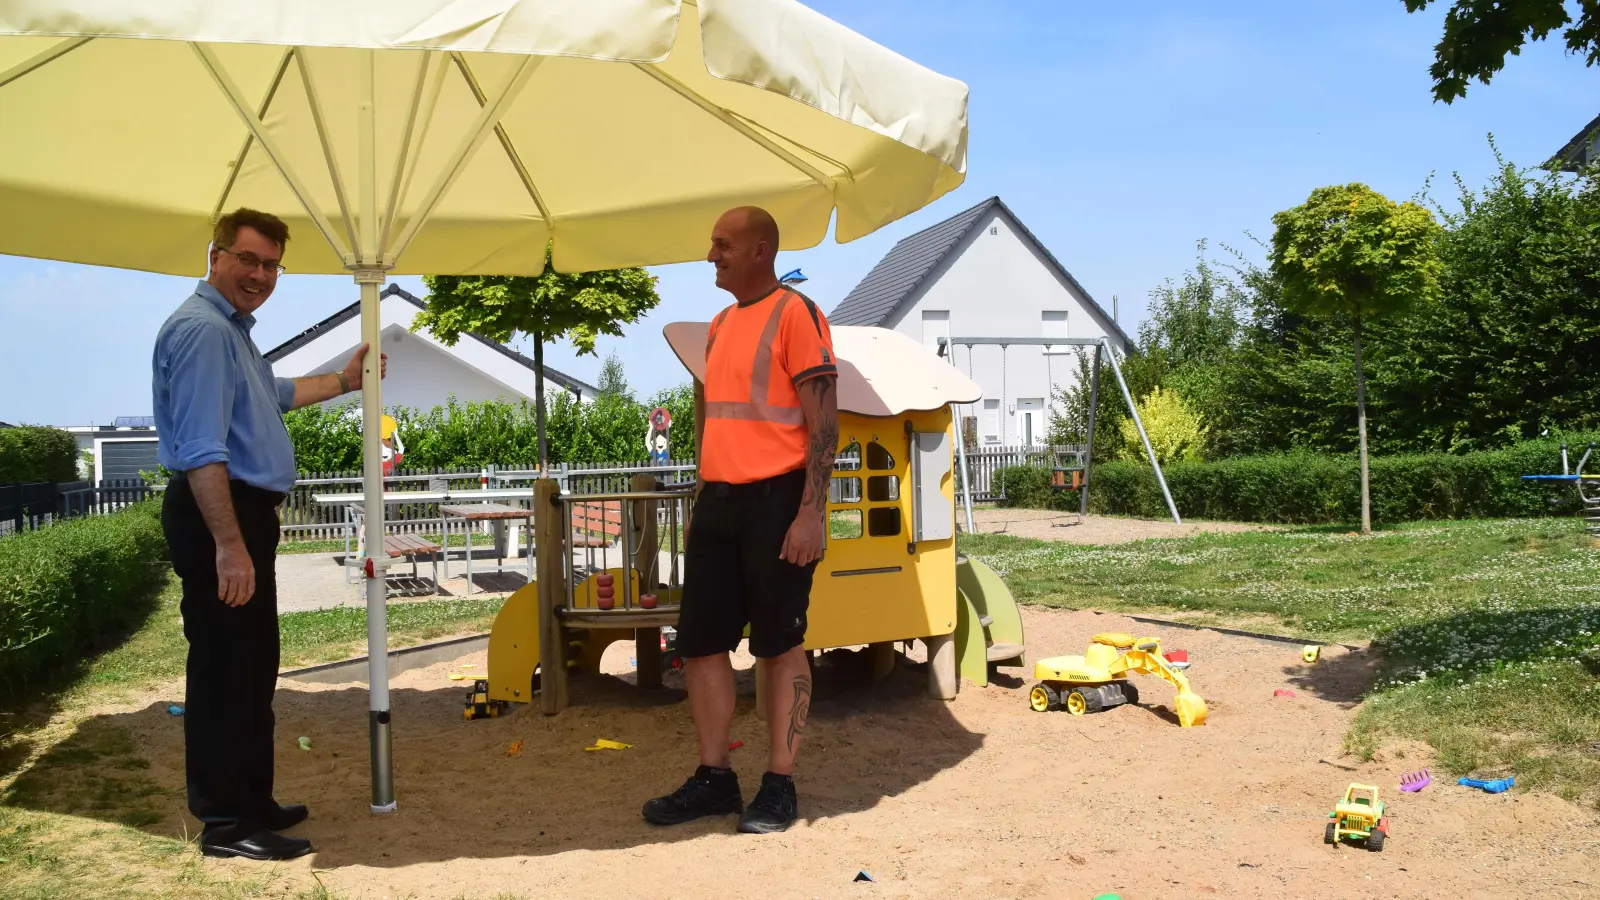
(802, 708)
(823, 423)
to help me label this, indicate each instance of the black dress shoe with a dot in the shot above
(283, 817)
(263, 845)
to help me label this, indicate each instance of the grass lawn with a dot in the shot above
(1486, 627)
(57, 760)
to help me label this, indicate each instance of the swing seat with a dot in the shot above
(1060, 477)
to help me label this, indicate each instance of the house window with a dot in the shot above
(1054, 325)
(991, 421)
(935, 325)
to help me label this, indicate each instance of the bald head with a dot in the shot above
(744, 250)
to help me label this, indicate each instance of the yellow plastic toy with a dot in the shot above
(1097, 680)
(1358, 817)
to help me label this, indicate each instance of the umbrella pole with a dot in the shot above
(369, 276)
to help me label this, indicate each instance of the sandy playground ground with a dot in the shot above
(979, 797)
(1068, 527)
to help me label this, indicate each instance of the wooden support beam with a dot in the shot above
(550, 545)
(646, 560)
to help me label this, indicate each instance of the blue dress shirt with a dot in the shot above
(216, 399)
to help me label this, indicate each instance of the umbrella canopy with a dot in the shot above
(451, 137)
(618, 129)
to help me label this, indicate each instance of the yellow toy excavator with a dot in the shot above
(1098, 680)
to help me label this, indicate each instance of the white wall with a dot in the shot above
(998, 285)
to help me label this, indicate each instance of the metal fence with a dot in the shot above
(27, 507)
(305, 519)
(984, 461)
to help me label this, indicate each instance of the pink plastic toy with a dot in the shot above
(1415, 781)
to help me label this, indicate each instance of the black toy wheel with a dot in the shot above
(1130, 692)
(1375, 840)
(1043, 698)
(1330, 834)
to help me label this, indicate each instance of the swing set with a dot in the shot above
(1062, 477)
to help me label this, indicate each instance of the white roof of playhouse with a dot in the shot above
(881, 372)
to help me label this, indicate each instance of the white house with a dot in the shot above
(1583, 149)
(423, 371)
(981, 273)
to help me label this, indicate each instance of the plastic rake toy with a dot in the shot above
(1412, 782)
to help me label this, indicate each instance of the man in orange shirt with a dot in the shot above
(767, 425)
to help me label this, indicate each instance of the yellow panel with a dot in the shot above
(872, 589)
(514, 646)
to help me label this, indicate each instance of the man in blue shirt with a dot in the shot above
(219, 416)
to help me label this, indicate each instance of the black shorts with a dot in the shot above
(732, 575)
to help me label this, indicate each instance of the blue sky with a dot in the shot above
(1120, 133)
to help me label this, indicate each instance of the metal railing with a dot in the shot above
(584, 514)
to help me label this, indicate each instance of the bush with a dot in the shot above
(31, 454)
(1311, 488)
(1317, 489)
(1028, 487)
(66, 587)
(1174, 429)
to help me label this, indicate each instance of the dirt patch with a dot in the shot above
(1046, 525)
(979, 797)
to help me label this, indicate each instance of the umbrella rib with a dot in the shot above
(505, 141)
(402, 175)
(734, 122)
(42, 58)
(327, 145)
(488, 116)
(236, 97)
(238, 161)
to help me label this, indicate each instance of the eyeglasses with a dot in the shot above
(250, 261)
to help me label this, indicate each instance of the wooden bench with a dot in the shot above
(397, 546)
(596, 525)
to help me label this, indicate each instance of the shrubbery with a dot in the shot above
(66, 587)
(476, 434)
(1309, 488)
(31, 454)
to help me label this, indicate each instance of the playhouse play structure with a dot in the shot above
(889, 574)
(1098, 679)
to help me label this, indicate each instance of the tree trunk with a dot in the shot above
(1361, 429)
(538, 399)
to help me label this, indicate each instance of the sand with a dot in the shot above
(979, 797)
(1048, 525)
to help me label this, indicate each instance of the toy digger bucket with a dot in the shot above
(1191, 708)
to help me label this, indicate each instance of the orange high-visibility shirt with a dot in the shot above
(757, 354)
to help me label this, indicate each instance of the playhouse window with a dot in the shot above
(883, 521)
(845, 490)
(844, 524)
(878, 457)
(848, 459)
(883, 487)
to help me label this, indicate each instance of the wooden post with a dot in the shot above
(882, 654)
(550, 544)
(942, 675)
(646, 560)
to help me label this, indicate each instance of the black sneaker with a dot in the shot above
(708, 792)
(774, 808)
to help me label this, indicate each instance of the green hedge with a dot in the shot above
(32, 453)
(1308, 488)
(65, 587)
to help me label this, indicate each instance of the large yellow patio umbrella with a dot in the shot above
(451, 137)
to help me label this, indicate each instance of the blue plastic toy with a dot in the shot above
(1496, 786)
(793, 278)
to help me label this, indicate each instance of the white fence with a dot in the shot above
(303, 518)
(985, 461)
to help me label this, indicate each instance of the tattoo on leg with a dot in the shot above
(802, 707)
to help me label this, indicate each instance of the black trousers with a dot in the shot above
(233, 663)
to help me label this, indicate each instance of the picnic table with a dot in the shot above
(499, 514)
